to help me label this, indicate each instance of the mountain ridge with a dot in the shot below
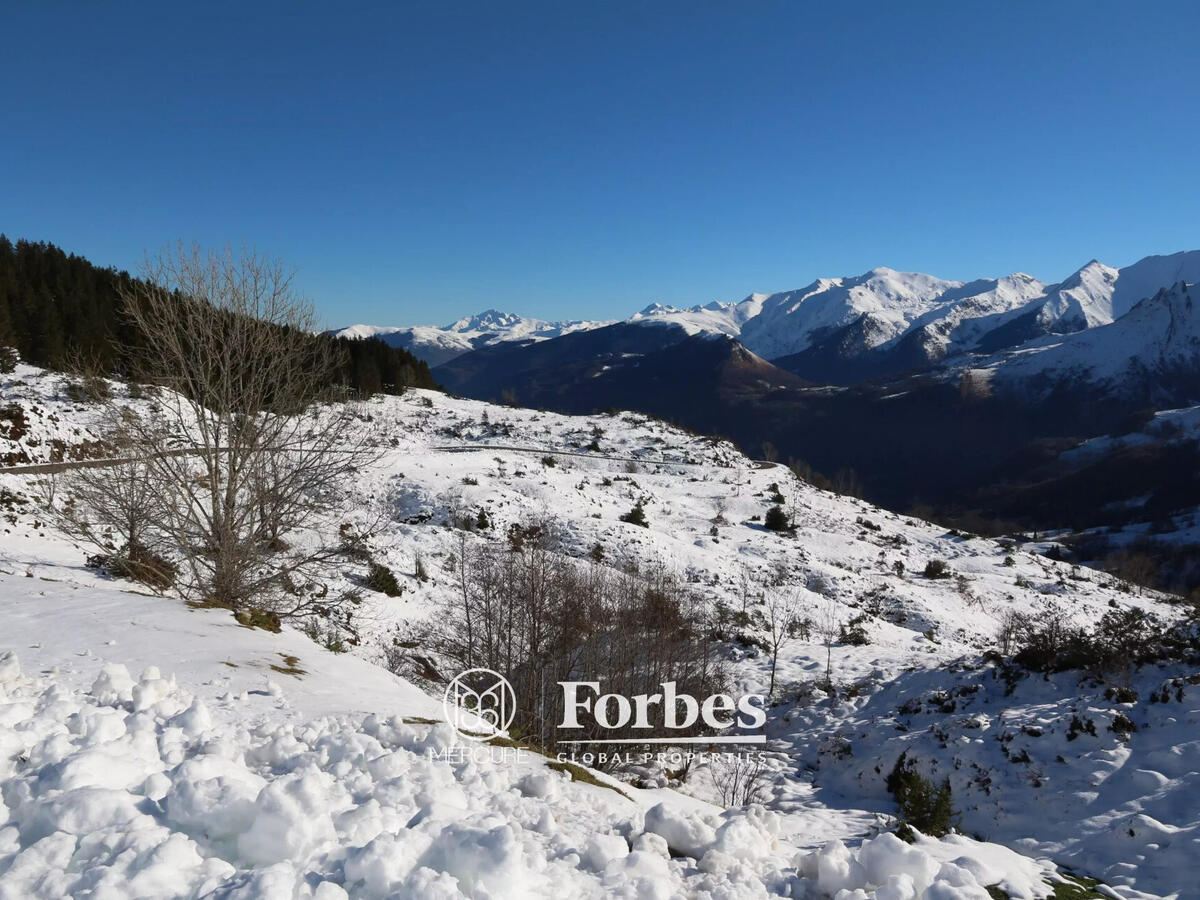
(846, 329)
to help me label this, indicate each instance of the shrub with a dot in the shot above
(381, 578)
(1122, 640)
(1080, 726)
(549, 462)
(1122, 724)
(354, 545)
(253, 617)
(8, 360)
(936, 568)
(776, 519)
(419, 569)
(1121, 694)
(1050, 644)
(924, 805)
(139, 565)
(636, 516)
(854, 633)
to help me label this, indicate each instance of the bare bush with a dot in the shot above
(740, 779)
(539, 617)
(1013, 626)
(113, 509)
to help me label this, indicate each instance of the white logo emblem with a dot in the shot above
(479, 696)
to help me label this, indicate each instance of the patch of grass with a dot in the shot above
(1077, 887)
(1072, 887)
(512, 743)
(579, 773)
(291, 665)
(249, 617)
(231, 665)
(258, 618)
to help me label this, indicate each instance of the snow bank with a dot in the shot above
(135, 789)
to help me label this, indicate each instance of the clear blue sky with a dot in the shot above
(417, 162)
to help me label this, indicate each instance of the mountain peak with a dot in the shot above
(488, 320)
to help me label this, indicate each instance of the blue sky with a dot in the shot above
(417, 162)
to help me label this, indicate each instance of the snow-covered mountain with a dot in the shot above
(437, 345)
(1141, 351)
(1098, 294)
(246, 763)
(843, 330)
(884, 322)
(778, 325)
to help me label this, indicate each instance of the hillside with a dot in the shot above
(282, 779)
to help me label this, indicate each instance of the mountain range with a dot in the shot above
(962, 400)
(845, 330)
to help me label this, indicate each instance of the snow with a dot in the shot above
(257, 798)
(148, 749)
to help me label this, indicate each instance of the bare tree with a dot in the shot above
(827, 624)
(794, 505)
(251, 397)
(782, 617)
(720, 506)
(747, 584)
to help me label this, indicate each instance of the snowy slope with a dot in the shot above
(1117, 805)
(284, 781)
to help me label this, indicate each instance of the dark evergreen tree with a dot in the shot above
(57, 309)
